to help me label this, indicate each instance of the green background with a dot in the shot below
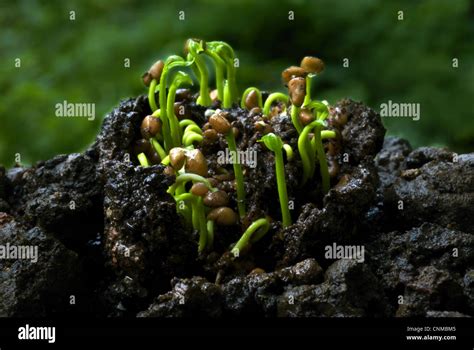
(83, 60)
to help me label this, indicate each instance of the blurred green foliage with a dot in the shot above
(83, 60)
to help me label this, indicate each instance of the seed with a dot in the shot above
(156, 69)
(212, 181)
(150, 126)
(236, 132)
(199, 189)
(141, 146)
(206, 126)
(262, 127)
(154, 157)
(146, 77)
(292, 72)
(251, 100)
(255, 111)
(256, 271)
(223, 216)
(210, 135)
(343, 181)
(223, 175)
(216, 199)
(177, 157)
(306, 116)
(182, 94)
(169, 171)
(297, 91)
(219, 122)
(312, 64)
(196, 163)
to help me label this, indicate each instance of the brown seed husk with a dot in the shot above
(196, 163)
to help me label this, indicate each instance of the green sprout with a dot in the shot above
(288, 151)
(275, 144)
(313, 66)
(169, 134)
(308, 148)
(191, 132)
(252, 97)
(198, 219)
(276, 96)
(254, 232)
(211, 51)
(220, 123)
(194, 49)
(179, 79)
(143, 160)
(226, 53)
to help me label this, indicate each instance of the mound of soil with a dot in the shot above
(110, 241)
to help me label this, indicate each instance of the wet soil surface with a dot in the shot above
(110, 242)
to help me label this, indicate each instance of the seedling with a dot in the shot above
(276, 96)
(254, 232)
(179, 79)
(194, 48)
(252, 97)
(275, 144)
(220, 123)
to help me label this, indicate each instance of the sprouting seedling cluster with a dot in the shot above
(173, 137)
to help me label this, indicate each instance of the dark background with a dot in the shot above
(83, 60)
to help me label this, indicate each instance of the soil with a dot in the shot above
(109, 236)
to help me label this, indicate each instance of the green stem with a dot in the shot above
(204, 99)
(193, 128)
(307, 98)
(248, 91)
(185, 197)
(288, 151)
(158, 148)
(281, 184)
(165, 160)
(143, 160)
(295, 118)
(163, 113)
(261, 225)
(202, 224)
(183, 178)
(323, 165)
(227, 103)
(210, 234)
(186, 122)
(239, 176)
(172, 119)
(306, 151)
(191, 137)
(276, 96)
(151, 95)
(220, 68)
(171, 62)
(328, 134)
